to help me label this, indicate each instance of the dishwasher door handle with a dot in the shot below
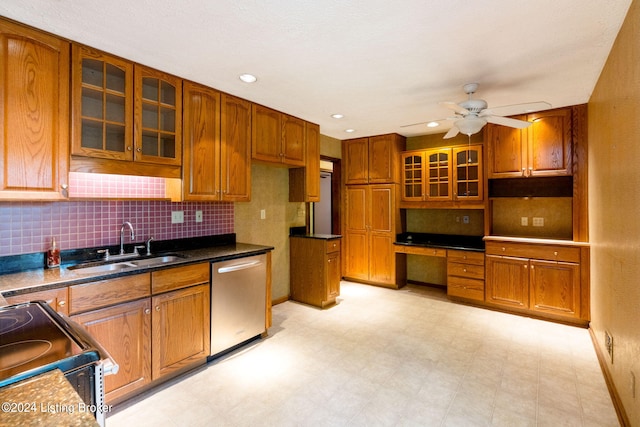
(238, 267)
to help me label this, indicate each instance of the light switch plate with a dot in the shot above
(538, 221)
(198, 216)
(524, 221)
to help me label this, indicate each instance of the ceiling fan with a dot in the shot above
(471, 115)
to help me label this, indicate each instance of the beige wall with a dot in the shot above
(614, 203)
(330, 147)
(270, 191)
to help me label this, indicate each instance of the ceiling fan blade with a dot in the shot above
(455, 107)
(512, 110)
(452, 132)
(506, 121)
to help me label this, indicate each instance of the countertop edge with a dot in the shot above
(47, 279)
(535, 240)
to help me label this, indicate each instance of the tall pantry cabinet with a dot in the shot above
(372, 215)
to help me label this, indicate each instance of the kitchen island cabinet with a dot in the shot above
(545, 279)
(315, 269)
(34, 124)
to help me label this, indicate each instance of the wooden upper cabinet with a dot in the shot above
(201, 165)
(304, 183)
(549, 143)
(235, 150)
(157, 117)
(277, 137)
(102, 107)
(467, 173)
(124, 111)
(374, 160)
(34, 122)
(542, 149)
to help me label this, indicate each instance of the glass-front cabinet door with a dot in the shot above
(412, 176)
(158, 117)
(439, 173)
(102, 108)
(468, 172)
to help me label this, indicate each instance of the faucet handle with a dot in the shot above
(148, 244)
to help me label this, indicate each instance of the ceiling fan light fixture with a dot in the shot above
(470, 125)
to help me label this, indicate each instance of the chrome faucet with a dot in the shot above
(133, 236)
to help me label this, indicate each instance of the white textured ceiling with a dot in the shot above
(381, 63)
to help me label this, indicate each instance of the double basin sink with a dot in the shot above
(115, 266)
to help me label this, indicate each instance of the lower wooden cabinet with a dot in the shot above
(465, 274)
(315, 270)
(124, 330)
(180, 329)
(543, 279)
(56, 298)
(153, 324)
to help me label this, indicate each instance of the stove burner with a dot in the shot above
(11, 320)
(20, 353)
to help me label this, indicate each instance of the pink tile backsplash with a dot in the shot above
(27, 227)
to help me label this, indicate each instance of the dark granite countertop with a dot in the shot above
(44, 400)
(318, 236)
(43, 279)
(444, 241)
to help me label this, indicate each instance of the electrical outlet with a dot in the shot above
(198, 216)
(465, 219)
(608, 344)
(177, 217)
(524, 221)
(263, 214)
(538, 221)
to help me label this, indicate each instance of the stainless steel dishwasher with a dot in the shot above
(238, 293)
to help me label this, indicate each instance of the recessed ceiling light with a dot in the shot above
(248, 78)
(433, 124)
(337, 116)
(349, 130)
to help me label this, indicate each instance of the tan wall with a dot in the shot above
(614, 204)
(330, 147)
(270, 191)
(555, 211)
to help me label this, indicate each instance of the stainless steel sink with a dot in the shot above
(123, 265)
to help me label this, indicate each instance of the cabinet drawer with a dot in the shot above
(90, 296)
(333, 246)
(465, 288)
(472, 271)
(467, 257)
(525, 250)
(179, 277)
(420, 250)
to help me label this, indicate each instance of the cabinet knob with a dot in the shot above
(464, 257)
(504, 249)
(147, 311)
(533, 266)
(555, 253)
(61, 303)
(139, 150)
(464, 270)
(523, 171)
(129, 148)
(526, 266)
(329, 261)
(64, 186)
(157, 308)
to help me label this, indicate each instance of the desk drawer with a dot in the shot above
(421, 250)
(465, 288)
(466, 257)
(333, 246)
(472, 271)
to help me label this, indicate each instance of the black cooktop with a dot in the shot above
(35, 339)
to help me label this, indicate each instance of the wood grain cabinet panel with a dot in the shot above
(179, 277)
(374, 160)
(34, 123)
(555, 287)
(180, 331)
(508, 281)
(315, 270)
(56, 298)
(542, 149)
(124, 330)
(235, 149)
(304, 183)
(466, 274)
(277, 137)
(103, 293)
